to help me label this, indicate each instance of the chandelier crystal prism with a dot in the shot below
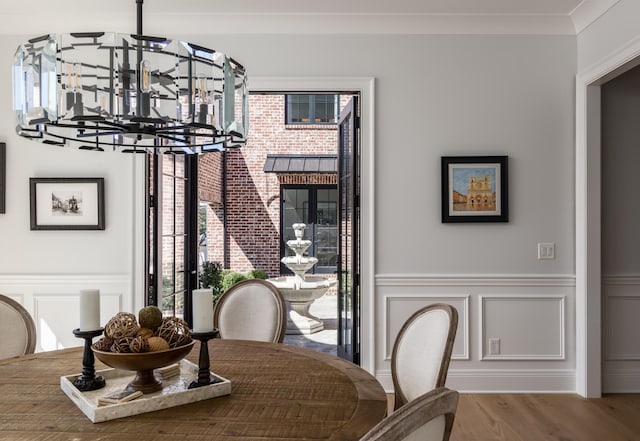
(99, 91)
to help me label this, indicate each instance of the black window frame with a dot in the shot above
(311, 109)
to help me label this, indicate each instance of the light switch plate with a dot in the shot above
(494, 346)
(546, 250)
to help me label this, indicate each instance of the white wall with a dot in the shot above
(435, 96)
(463, 95)
(38, 266)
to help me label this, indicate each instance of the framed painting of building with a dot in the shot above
(67, 203)
(475, 189)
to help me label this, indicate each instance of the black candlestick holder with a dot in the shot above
(204, 375)
(88, 379)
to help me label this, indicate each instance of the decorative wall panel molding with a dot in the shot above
(398, 309)
(54, 302)
(526, 327)
(623, 380)
(474, 280)
(501, 380)
(621, 309)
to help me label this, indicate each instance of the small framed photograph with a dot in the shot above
(67, 203)
(3, 177)
(474, 189)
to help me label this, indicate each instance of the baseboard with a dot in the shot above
(502, 380)
(621, 381)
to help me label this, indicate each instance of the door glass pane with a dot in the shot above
(326, 240)
(179, 207)
(168, 205)
(296, 209)
(168, 282)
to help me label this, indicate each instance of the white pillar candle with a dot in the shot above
(89, 309)
(202, 300)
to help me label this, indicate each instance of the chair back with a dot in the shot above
(427, 418)
(422, 351)
(252, 309)
(17, 329)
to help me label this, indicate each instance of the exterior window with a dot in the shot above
(311, 109)
(316, 206)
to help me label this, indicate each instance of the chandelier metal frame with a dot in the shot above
(98, 90)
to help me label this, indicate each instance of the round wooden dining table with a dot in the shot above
(279, 392)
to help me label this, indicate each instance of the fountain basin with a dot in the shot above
(299, 295)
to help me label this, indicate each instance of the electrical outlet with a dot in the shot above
(546, 250)
(494, 346)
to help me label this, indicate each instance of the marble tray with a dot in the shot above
(175, 392)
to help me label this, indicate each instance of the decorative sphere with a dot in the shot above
(157, 344)
(150, 317)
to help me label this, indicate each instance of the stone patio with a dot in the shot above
(326, 309)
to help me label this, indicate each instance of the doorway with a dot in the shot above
(288, 173)
(589, 319)
(365, 88)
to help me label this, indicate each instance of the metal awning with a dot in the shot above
(301, 164)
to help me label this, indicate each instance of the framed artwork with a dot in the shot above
(67, 203)
(3, 177)
(475, 189)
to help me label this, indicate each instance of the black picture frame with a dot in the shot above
(67, 203)
(486, 177)
(3, 178)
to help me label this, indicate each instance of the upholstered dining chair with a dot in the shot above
(422, 351)
(252, 309)
(427, 418)
(17, 329)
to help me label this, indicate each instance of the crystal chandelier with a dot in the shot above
(101, 90)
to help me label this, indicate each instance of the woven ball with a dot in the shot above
(104, 344)
(157, 344)
(122, 345)
(144, 332)
(175, 331)
(139, 344)
(123, 324)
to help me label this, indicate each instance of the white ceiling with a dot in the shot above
(306, 16)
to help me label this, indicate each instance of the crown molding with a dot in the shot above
(160, 24)
(165, 18)
(589, 11)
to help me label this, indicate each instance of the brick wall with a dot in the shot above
(253, 197)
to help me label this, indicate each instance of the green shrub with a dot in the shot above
(211, 277)
(257, 274)
(230, 278)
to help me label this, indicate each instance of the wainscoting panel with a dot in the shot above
(400, 308)
(620, 331)
(533, 316)
(54, 303)
(525, 327)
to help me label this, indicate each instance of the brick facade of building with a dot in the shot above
(253, 196)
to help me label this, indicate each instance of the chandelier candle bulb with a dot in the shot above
(202, 310)
(89, 309)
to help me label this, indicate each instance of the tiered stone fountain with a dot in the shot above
(299, 290)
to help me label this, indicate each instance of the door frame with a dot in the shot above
(589, 324)
(365, 87)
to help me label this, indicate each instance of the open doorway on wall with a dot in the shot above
(289, 173)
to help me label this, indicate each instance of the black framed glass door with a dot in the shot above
(317, 207)
(172, 212)
(349, 237)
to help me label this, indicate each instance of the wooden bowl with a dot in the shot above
(144, 363)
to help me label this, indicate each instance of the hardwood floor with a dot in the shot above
(546, 417)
